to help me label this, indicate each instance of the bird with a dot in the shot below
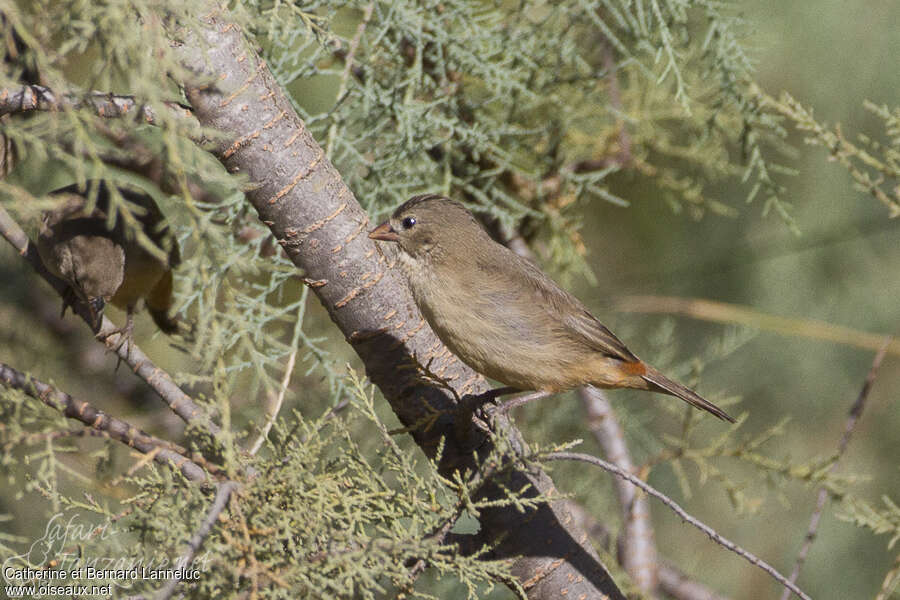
(103, 261)
(502, 315)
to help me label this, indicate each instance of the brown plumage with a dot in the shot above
(502, 315)
(102, 261)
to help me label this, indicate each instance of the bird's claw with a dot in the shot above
(126, 337)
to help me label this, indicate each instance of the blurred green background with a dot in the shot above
(843, 268)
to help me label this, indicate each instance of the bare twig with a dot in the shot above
(637, 550)
(852, 418)
(285, 381)
(624, 155)
(890, 581)
(223, 494)
(672, 581)
(679, 586)
(276, 406)
(161, 382)
(521, 400)
(164, 452)
(26, 98)
(345, 75)
(438, 535)
(709, 531)
(721, 312)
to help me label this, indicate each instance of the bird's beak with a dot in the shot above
(384, 232)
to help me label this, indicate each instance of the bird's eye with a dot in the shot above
(408, 222)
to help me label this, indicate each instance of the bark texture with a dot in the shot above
(300, 196)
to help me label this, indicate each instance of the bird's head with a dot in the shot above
(430, 227)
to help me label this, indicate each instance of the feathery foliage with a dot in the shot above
(525, 110)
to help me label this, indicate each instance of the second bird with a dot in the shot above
(503, 316)
(104, 262)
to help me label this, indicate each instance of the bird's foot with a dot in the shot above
(469, 403)
(512, 403)
(430, 376)
(472, 402)
(126, 338)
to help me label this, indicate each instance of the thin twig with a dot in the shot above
(345, 75)
(721, 312)
(272, 414)
(223, 494)
(637, 549)
(438, 536)
(27, 98)
(158, 379)
(165, 452)
(709, 531)
(520, 400)
(890, 581)
(676, 584)
(672, 581)
(285, 380)
(624, 155)
(852, 418)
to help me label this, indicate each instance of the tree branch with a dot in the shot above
(223, 494)
(162, 451)
(160, 381)
(28, 98)
(709, 531)
(735, 314)
(679, 586)
(314, 216)
(345, 75)
(852, 418)
(890, 581)
(636, 548)
(672, 581)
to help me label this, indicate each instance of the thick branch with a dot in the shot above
(316, 219)
(163, 452)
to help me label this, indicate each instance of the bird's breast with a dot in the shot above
(141, 274)
(499, 331)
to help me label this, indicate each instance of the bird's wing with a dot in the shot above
(154, 223)
(571, 312)
(598, 336)
(143, 208)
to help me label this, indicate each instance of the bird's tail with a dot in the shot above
(660, 383)
(159, 302)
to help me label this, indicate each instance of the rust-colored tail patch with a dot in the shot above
(634, 368)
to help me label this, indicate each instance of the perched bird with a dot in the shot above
(502, 315)
(103, 261)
